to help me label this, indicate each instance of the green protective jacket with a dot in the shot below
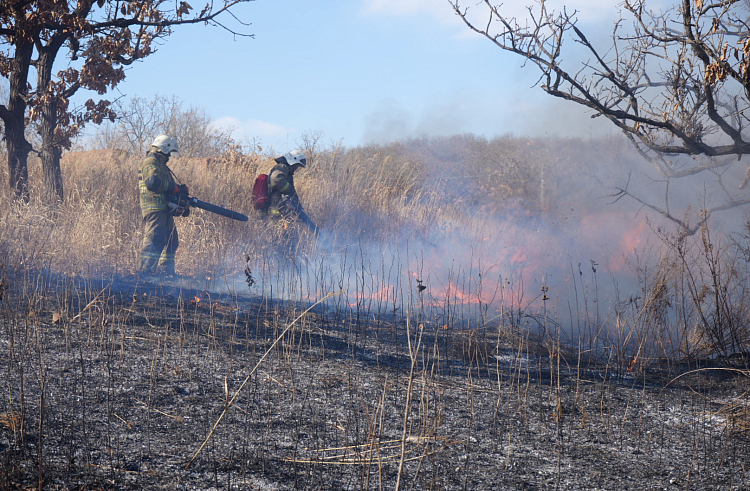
(280, 184)
(155, 183)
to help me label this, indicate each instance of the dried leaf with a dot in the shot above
(10, 420)
(183, 9)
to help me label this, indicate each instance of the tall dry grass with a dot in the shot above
(428, 191)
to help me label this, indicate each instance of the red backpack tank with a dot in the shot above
(260, 192)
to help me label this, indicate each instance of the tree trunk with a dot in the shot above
(18, 153)
(50, 152)
(53, 183)
(13, 118)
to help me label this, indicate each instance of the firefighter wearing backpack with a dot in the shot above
(158, 190)
(283, 201)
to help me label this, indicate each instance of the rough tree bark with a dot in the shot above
(13, 114)
(50, 150)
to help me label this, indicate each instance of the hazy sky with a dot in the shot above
(360, 71)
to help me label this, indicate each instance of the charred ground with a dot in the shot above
(118, 388)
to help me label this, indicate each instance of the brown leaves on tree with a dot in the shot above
(744, 62)
(720, 69)
(715, 73)
(99, 39)
(184, 9)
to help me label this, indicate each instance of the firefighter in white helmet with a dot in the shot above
(160, 197)
(283, 200)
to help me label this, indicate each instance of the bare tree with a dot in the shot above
(99, 39)
(675, 82)
(140, 120)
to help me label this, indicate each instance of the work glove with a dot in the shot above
(179, 204)
(180, 188)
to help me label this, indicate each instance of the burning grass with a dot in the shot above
(481, 335)
(477, 223)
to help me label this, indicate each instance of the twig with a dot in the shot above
(77, 316)
(231, 401)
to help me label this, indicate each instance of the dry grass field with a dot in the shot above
(471, 316)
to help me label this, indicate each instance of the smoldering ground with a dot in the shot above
(127, 389)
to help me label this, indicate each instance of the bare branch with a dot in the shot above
(673, 91)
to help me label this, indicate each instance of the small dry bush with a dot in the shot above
(693, 305)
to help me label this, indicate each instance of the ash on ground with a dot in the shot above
(136, 390)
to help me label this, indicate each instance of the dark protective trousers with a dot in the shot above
(160, 242)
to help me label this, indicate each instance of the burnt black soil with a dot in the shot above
(119, 389)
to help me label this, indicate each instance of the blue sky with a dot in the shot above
(359, 71)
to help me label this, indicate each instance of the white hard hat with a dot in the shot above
(296, 157)
(166, 144)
